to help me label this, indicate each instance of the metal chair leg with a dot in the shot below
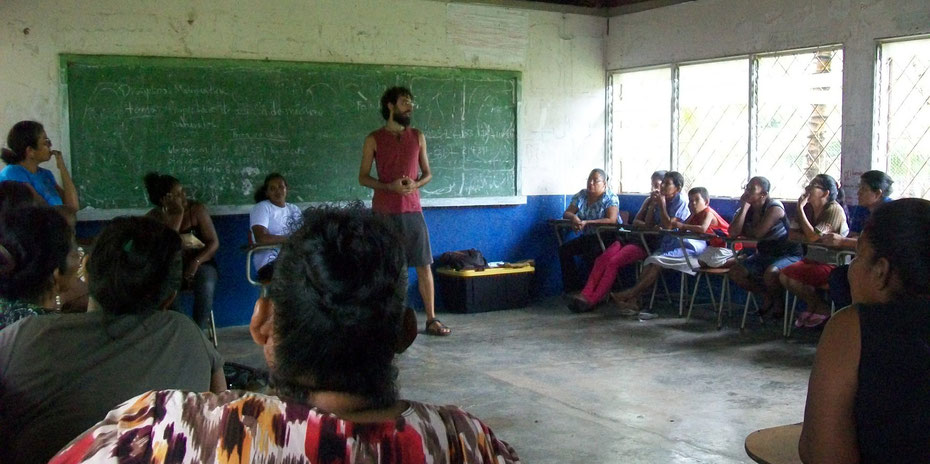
(724, 291)
(213, 331)
(749, 298)
(683, 287)
(697, 284)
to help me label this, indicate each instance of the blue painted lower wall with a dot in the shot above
(502, 233)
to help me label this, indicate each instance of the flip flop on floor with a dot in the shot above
(436, 327)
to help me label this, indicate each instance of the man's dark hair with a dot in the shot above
(676, 177)
(36, 240)
(262, 193)
(22, 135)
(158, 185)
(135, 265)
(390, 96)
(899, 231)
(877, 180)
(702, 191)
(339, 288)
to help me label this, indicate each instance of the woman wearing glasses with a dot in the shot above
(823, 214)
(29, 146)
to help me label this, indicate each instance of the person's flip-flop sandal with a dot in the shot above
(436, 327)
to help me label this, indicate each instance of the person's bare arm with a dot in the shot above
(426, 174)
(807, 231)
(609, 219)
(218, 381)
(640, 218)
(263, 237)
(829, 432)
(696, 228)
(67, 190)
(207, 233)
(739, 220)
(402, 185)
(664, 219)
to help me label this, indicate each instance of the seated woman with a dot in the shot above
(61, 373)
(29, 147)
(192, 220)
(271, 220)
(663, 204)
(596, 204)
(823, 214)
(761, 217)
(38, 260)
(330, 330)
(874, 190)
(869, 389)
(670, 255)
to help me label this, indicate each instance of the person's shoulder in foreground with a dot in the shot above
(236, 426)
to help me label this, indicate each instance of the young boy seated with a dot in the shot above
(670, 255)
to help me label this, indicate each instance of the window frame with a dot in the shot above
(752, 61)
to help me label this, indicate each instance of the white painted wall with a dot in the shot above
(561, 119)
(708, 29)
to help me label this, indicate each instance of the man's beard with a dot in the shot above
(402, 119)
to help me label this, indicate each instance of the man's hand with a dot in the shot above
(403, 185)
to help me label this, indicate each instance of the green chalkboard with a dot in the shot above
(221, 125)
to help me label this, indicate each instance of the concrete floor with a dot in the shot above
(600, 388)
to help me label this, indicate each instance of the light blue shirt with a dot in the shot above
(43, 181)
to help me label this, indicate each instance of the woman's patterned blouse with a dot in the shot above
(240, 427)
(14, 310)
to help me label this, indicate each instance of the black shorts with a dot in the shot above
(412, 228)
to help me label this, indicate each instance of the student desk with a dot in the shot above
(775, 445)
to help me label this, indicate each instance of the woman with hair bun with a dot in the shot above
(29, 146)
(820, 212)
(869, 389)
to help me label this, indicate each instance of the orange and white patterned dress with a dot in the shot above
(239, 427)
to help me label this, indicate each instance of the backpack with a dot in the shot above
(463, 260)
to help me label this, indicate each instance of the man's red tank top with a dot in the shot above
(395, 157)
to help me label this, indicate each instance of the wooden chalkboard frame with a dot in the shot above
(220, 209)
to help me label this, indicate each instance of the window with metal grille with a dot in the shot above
(799, 103)
(640, 118)
(903, 115)
(713, 126)
(777, 115)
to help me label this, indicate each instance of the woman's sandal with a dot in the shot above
(436, 327)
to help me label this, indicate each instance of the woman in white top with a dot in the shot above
(271, 220)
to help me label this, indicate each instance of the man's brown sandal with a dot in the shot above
(436, 327)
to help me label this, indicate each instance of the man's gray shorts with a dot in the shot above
(412, 228)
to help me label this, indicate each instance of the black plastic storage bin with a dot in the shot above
(487, 290)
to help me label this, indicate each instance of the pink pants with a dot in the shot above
(606, 267)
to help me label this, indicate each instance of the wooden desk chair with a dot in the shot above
(775, 445)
